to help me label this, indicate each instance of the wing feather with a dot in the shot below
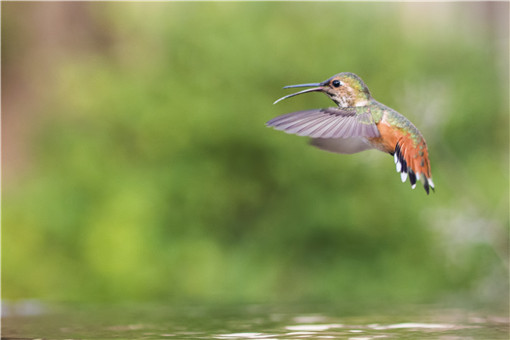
(351, 130)
(339, 128)
(323, 126)
(291, 121)
(292, 126)
(293, 116)
(326, 128)
(327, 123)
(307, 128)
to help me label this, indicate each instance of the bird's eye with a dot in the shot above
(336, 83)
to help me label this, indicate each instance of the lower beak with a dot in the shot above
(319, 88)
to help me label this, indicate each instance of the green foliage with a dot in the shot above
(155, 178)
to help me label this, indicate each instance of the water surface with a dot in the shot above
(36, 321)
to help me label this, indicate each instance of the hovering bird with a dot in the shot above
(359, 123)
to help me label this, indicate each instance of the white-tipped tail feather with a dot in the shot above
(403, 176)
(406, 172)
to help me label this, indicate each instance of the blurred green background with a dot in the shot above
(136, 163)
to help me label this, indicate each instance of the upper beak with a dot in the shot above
(318, 88)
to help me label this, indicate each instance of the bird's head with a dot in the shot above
(345, 89)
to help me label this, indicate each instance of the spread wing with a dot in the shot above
(327, 123)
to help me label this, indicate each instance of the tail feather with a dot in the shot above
(413, 163)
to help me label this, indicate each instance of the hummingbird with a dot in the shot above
(358, 123)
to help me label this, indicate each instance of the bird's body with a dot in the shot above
(359, 123)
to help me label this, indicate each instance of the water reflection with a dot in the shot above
(313, 327)
(247, 322)
(361, 332)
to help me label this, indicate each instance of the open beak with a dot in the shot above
(318, 88)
